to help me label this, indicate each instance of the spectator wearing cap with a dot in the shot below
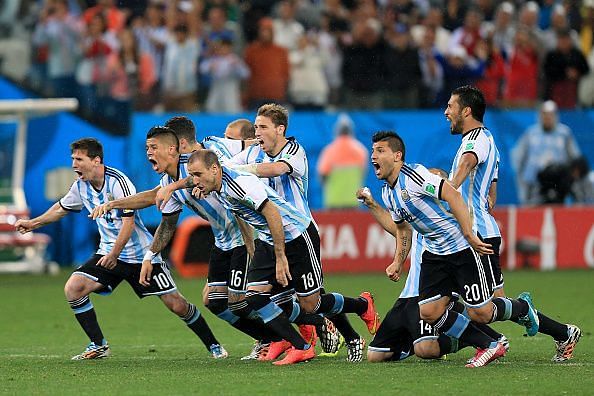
(545, 143)
(269, 68)
(402, 72)
(342, 166)
(563, 68)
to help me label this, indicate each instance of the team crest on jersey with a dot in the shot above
(250, 201)
(469, 146)
(430, 188)
(110, 197)
(404, 195)
(286, 156)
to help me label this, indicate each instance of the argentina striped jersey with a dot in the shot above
(411, 287)
(245, 194)
(293, 185)
(415, 197)
(116, 185)
(223, 147)
(475, 188)
(222, 221)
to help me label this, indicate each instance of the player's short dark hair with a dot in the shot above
(277, 113)
(246, 128)
(394, 141)
(207, 157)
(164, 132)
(472, 97)
(183, 127)
(91, 145)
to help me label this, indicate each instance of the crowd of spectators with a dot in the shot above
(232, 55)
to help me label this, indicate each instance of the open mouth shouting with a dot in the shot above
(376, 168)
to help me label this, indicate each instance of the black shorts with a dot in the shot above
(401, 329)
(464, 273)
(303, 255)
(493, 260)
(161, 279)
(229, 268)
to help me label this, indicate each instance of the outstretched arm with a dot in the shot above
(271, 169)
(381, 215)
(53, 214)
(137, 201)
(164, 194)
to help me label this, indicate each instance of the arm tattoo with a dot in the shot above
(190, 182)
(164, 232)
(403, 248)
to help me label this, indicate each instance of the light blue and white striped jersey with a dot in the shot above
(415, 197)
(224, 225)
(411, 287)
(223, 147)
(293, 185)
(475, 189)
(116, 185)
(245, 194)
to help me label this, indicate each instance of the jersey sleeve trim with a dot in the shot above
(126, 213)
(259, 208)
(473, 153)
(69, 209)
(289, 165)
(440, 188)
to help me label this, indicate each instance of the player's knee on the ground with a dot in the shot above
(377, 357)
(483, 314)
(427, 349)
(176, 303)
(309, 304)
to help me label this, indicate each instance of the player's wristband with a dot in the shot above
(149, 255)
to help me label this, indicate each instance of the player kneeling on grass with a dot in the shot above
(124, 238)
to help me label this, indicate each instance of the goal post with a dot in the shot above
(22, 253)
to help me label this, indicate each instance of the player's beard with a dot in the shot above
(456, 126)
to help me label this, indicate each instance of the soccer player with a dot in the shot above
(124, 238)
(286, 254)
(229, 258)
(474, 172)
(281, 161)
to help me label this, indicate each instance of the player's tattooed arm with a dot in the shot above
(403, 243)
(164, 232)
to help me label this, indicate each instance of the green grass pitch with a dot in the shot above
(154, 353)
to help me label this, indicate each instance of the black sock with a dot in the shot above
(344, 326)
(309, 319)
(551, 327)
(508, 309)
(335, 303)
(274, 318)
(198, 325)
(458, 326)
(85, 314)
(250, 323)
(449, 344)
(460, 308)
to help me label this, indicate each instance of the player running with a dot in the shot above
(124, 240)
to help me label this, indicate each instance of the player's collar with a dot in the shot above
(102, 184)
(472, 130)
